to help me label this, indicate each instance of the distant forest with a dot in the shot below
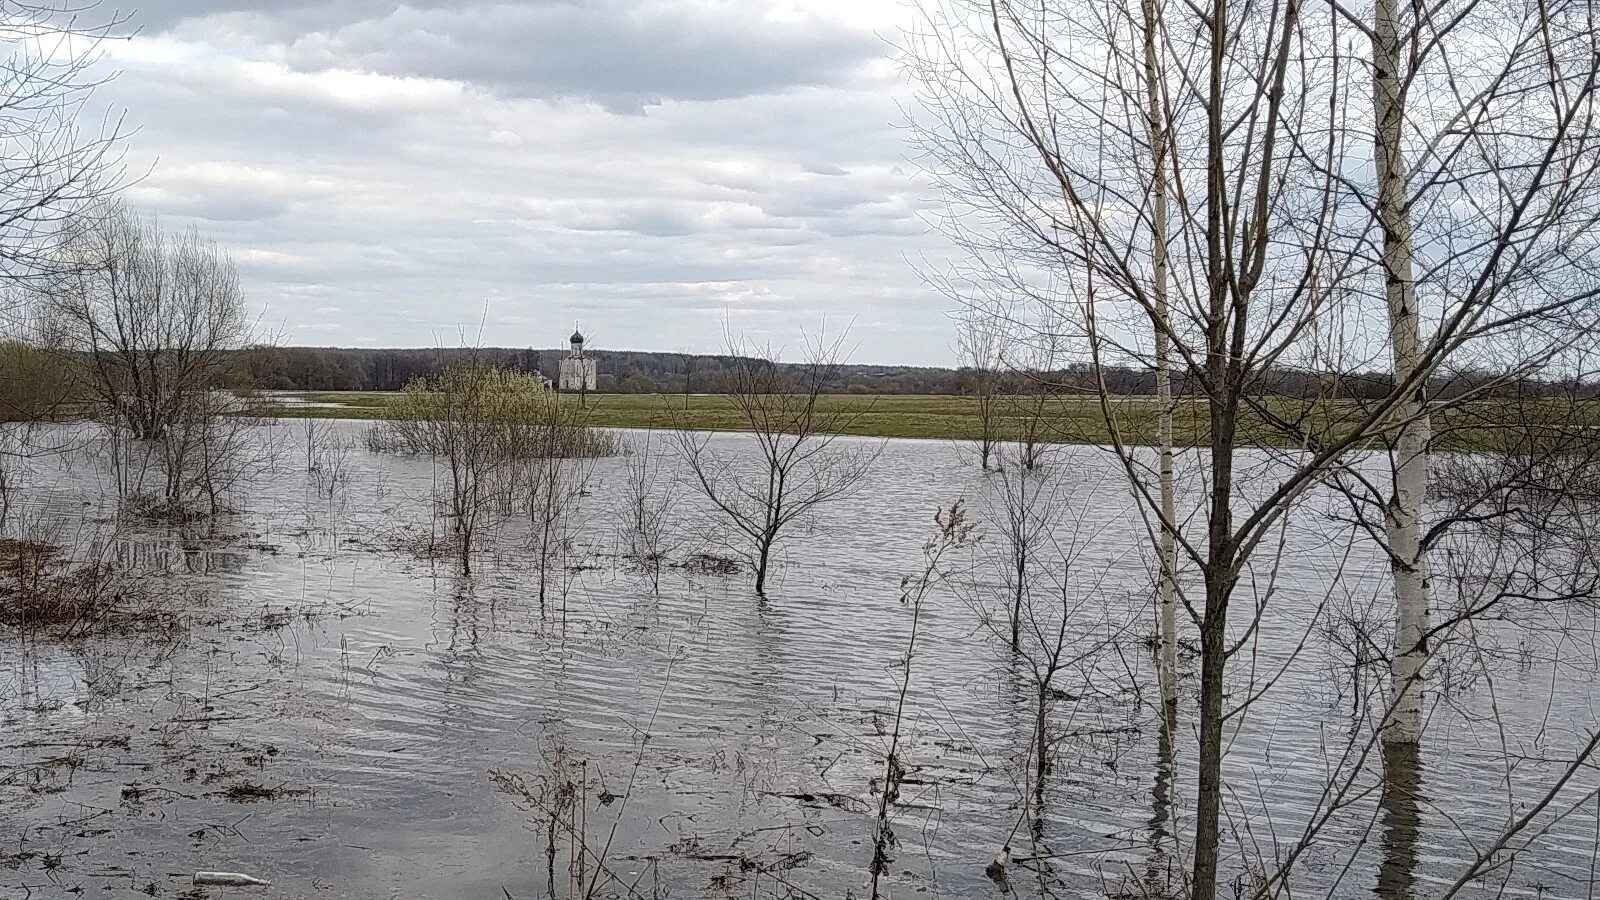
(621, 371)
(643, 372)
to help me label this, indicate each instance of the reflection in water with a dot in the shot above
(463, 616)
(1163, 851)
(1401, 804)
(187, 554)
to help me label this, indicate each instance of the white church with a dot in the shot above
(578, 372)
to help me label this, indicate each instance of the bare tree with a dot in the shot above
(978, 349)
(691, 363)
(209, 455)
(1033, 398)
(453, 417)
(1022, 509)
(799, 464)
(327, 457)
(552, 485)
(150, 318)
(1149, 26)
(149, 324)
(1041, 132)
(1028, 408)
(1059, 624)
(953, 531)
(649, 499)
(502, 439)
(1479, 183)
(52, 167)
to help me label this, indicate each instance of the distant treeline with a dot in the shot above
(621, 371)
(34, 383)
(641, 372)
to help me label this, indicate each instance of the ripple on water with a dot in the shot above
(391, 687)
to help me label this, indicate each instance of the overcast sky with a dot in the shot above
(396, 175)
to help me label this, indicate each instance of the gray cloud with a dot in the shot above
(621, 53)
(390, 175)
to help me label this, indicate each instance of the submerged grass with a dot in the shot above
(42, 589)
(1278, 422)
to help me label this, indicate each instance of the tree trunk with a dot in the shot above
(763, 552)
(1224, 387)
(1016, 600)
(1219, 578)
(1403, 516)
(1208, 803)
(1167, 640)
(1041, 743)
(544, 565)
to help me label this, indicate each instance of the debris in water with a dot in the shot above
(709, 564)
(231, 879)
(250, 792)
(996, 870)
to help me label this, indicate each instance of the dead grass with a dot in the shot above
(251, 792)
(46, 591)
(709, 564)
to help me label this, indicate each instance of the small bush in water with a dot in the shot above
(490, 411)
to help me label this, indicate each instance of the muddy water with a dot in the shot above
(334, 712)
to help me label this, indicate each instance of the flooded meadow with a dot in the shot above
(328, 703)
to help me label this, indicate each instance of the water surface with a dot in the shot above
(336, 713)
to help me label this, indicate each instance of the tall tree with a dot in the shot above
(1161, 312)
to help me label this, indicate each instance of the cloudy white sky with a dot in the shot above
(394, 175)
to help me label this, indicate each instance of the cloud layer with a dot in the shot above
(405, 175)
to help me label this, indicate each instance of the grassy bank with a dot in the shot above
(1485, 425)
(898, 415)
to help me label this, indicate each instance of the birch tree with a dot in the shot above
(1161, 312)
(1405, 507)
(1483, 165)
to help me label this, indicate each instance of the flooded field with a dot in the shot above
(341, 712)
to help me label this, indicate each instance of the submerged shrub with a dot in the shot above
(497, 433)
(470, 408)
(710, 564)
(42, 589)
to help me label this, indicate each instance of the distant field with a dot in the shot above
(889, 415)
(884, 416)
(1067, 420)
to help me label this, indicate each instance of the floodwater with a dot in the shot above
(342, 711)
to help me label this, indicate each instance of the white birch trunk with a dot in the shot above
(1405, 510)
(1167, 641)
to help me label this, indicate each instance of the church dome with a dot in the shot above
(577, 337)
